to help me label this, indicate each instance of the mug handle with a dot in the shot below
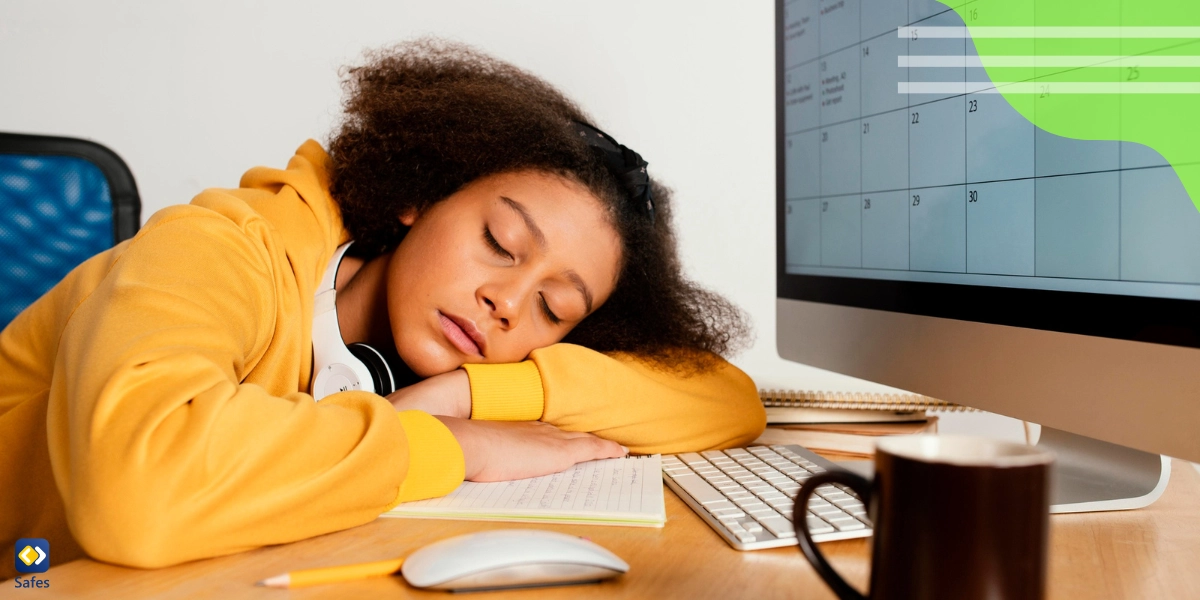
(800, 517)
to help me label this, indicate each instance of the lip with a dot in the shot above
(463, 334)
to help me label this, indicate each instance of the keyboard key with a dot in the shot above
(691, 458)
(711, 454)
(712, 506)
(677, 470)
(847, 524)
(728, 514)
(699, 489)
(750, 525)
(816, 526)
(735, 452)
(814, 502)
(748, 504)
(826, 511)
(846, 501)
(734, 526)
(840, 497)
(735, 496)
(763, 513)
(781, 527)
(746, 538)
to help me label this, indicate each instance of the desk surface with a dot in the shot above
(1148, 553)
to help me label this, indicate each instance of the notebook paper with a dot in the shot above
(615, 491)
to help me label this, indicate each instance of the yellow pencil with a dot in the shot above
(333, 574)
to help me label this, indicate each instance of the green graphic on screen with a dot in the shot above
(1096, 69)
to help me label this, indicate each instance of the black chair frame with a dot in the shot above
(127, 206)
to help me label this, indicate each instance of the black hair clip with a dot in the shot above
(625, 164)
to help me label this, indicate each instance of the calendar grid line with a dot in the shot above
(998, 197)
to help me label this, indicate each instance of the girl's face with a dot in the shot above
(505, 266)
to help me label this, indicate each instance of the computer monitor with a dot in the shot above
(932, 238)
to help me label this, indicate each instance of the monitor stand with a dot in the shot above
(1088, 475)
(1091, 475)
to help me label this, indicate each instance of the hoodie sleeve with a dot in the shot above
(622, 399)
(165, 452)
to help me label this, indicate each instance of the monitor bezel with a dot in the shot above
(1137, 318)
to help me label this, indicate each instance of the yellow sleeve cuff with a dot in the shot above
(506, 392)
(435, 460)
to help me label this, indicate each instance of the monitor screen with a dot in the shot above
(908, 183)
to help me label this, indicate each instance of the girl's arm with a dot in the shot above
(622, 399)
(169, 442)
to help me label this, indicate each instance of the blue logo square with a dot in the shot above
(32, 555)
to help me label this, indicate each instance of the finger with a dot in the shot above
(574, 435)
(593, 448)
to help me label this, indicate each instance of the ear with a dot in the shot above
(408, 217)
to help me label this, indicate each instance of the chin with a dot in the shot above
(426, 364)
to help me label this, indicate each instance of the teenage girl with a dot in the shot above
(155, 407)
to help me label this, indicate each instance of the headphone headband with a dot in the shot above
(626, 165)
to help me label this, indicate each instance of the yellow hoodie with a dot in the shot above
(154, 405)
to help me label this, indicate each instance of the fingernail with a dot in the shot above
(626, 450)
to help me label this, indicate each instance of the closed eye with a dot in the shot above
(495, 246)
(549, 313)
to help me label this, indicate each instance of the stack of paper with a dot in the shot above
(616, 491)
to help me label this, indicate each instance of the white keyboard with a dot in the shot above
(746, 495)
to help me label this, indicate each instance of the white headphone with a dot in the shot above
(336, 366)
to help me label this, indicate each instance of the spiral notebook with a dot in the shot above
(816, 406)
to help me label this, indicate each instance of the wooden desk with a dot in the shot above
(1149, 553)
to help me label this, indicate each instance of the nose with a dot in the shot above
(505, 301)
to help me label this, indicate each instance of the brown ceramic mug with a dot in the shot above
(955, 517)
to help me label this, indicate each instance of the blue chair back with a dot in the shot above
(62, 200)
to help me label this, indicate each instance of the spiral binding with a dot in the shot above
(857, 401)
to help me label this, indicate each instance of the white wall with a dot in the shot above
(193, 94)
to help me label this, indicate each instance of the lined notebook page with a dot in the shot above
(616, 491)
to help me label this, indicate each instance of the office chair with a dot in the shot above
(62, 200)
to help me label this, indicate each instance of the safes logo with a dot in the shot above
(33, 555)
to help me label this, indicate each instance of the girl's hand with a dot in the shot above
(445, 395)
(503, 450)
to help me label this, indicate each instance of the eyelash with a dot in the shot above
(500, 251)
(496, 247)
(549, 313)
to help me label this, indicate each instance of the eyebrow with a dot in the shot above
(540, 237)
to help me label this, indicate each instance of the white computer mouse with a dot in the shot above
(509, 558)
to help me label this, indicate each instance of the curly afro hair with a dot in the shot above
(425, 118)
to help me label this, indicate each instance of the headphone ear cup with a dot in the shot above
(382, 374)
